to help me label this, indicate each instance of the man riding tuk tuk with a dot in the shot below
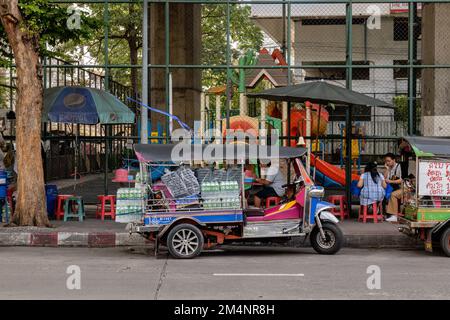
(198, 205)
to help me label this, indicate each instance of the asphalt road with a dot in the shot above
(236, 273)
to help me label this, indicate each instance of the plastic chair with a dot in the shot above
(69, 203)
(102, 209)
(341, 202)
(60, 199)
(272, 201)
(376, 213)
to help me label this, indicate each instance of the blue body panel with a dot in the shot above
(233, 216)
(316, 205)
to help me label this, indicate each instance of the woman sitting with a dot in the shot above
(372, 184)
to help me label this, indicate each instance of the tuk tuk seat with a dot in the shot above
(254, 212)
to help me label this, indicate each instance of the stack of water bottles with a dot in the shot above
(211, 194)
(229, 191)
(129, 204)
(224, 194)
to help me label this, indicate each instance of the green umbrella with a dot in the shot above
(82, 105)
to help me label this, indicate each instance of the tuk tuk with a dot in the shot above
(198, 205)
(426, 196)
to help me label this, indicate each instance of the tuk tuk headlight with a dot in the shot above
(316, 192)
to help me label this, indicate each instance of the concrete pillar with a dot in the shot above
(435, 82)
(184, 48)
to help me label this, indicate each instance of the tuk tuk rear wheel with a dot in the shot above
(185, 241)
(333, 239)
(445, 241)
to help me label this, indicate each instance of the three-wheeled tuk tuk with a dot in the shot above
(188, 211)
(426, 196)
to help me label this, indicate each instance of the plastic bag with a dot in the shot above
(389, 190)
(354, 189)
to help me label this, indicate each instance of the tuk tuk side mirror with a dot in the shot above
(316, 192)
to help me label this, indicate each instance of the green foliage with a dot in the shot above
(124, 26)
(401, 110)
(47, 23)
(244, 34)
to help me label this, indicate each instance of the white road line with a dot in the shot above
(258, 274)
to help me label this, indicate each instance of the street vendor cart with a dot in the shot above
(426, 195)
(200, 201)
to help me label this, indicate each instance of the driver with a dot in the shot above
(272, 184)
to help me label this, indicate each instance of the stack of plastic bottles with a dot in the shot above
(129, 204)
(211, 195)
(224, 194)
(229, 191)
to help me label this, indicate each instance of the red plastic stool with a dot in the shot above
(341, 202)
(101, 207)
(60, 199)
(376, 213)
(272, 201)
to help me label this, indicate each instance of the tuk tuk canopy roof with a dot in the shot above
(429, 146)
(213, 152)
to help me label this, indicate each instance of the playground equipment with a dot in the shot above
(319, 122)
(358, 145)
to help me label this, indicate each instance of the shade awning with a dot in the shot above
(319, 92)
(213, 152)
(429, 146)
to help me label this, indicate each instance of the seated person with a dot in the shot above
(372, 184)
(393, 176)
(272, 184)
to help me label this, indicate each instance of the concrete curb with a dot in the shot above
(71, 239)
(117, 239)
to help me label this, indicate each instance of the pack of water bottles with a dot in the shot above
(223, 194)
(130, 204)
(230, 194)
(229, 189)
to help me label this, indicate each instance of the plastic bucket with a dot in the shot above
(51, 193)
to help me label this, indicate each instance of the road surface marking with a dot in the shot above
(258, 274)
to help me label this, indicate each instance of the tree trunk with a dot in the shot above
(132, 44)
(31, 201)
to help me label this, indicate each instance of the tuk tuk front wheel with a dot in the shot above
(445, 241)
(333, 238)
(185, 241)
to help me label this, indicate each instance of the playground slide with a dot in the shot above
(330, 171)
(324, 180)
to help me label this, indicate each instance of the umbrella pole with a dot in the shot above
(348, 163)
(106, 160)
(76, 162)
(308, 134)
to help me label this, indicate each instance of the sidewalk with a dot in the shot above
(98, 233)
